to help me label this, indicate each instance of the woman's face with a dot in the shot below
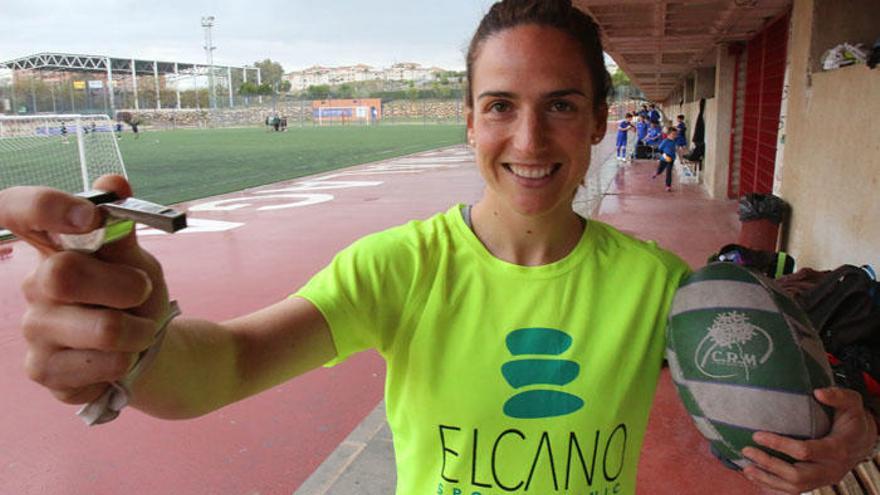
(533, 119)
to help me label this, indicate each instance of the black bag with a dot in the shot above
(843, 308)
(644, 152)
(769, 263)
(696, 155)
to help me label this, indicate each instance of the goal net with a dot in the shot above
(67, 152)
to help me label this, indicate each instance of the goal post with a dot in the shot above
(67, 152)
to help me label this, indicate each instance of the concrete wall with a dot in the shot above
(832, 153)
(704, 83)
(716, 167)
(298, 113)
(850, 21)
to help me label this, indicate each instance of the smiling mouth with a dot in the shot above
(532, 172)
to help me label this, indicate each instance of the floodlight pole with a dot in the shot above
(208, 23)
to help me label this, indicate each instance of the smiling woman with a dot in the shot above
(531, 126)
(512, 330)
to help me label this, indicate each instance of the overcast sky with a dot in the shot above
(297, 33)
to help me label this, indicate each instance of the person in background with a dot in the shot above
(624, 127)
(654, 114)
(134, 123)
(654, 136)
(667, 157)
(642, 129)
(681, 139)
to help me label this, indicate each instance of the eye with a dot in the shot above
(498, 107)
(562, 106)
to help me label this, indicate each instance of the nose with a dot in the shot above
(530, 134)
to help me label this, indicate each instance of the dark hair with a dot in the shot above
(629, 115)
(671, 129)
(559, 14)
(680, 117)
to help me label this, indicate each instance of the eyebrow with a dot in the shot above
(553, 94)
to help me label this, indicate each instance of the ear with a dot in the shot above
(600, 123)
(469, 121)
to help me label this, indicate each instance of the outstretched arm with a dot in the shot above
(89, 316)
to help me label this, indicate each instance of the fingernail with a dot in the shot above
(81, 216)
(149, 286)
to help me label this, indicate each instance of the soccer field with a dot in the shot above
(173, 166)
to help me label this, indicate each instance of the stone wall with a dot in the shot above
(297, 113)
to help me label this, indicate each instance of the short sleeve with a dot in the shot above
(359, 294)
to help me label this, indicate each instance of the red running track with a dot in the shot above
(268, 444)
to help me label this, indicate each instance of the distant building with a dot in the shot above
(317, 75)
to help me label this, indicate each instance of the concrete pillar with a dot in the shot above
(688, 92)
(177, 84)
(134, 84)
(109, 65)
(156, 80)
(718, 164)
(704, 82)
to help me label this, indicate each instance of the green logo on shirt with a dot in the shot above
(534, 370)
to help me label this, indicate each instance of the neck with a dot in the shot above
(526, 240)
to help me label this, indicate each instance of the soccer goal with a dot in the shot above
(67, 152)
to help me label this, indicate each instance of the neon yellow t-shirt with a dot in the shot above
(504, 378)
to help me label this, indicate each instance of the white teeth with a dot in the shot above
(531, 172)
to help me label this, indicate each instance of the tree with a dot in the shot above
(270, 72)
(253, 89)
(318, 92)
(248, 89)
(265, 89)
(345, 91)
(619, 78)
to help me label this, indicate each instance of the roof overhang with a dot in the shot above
(99, 63)
(657, 43)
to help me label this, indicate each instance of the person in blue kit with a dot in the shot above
(653, 137)
(654, 114)
(642, 129)
(667, 157)
(623, 128)
(681, 140)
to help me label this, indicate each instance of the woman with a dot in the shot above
(517, 334)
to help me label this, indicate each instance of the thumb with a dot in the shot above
(119, 185)
(127, 251)
(839, 398)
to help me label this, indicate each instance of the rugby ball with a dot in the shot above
(745, 358)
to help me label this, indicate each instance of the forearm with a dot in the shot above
(194, 372)
(204, 366)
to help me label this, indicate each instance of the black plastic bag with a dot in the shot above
(755, 206)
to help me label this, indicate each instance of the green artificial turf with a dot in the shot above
(179, 165)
